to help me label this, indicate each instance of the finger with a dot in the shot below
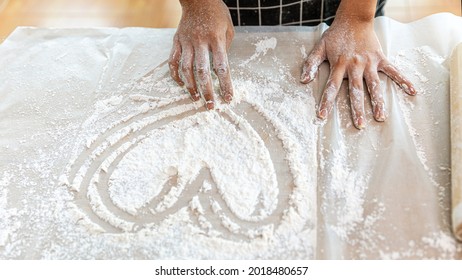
(311, 65)
(174, 61)
(203, 78)
(373, 87)
(229, 37)
(331, 90)
(221, 69)
(356, 89)
(187, 71)
(391, 71)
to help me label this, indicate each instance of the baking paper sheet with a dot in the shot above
(103, 156)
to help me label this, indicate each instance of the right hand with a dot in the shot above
(205, 26)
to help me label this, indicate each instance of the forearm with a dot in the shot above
(199, 8)
(362, 10)
(185, 3)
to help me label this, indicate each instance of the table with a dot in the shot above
(103, 156)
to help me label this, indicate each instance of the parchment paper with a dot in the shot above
(383, 192)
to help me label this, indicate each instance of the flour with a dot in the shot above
(425, 56)
(403, 62)
(343, 194)
(8, 216)
(261, 48)
(442, 241)
(106, 105)
(139, 177)
(134, 169)
(99, 208)
(303, 52)
(134, 174)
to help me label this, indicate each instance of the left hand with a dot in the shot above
(353, 51)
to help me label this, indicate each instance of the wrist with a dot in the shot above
(360, 19)
(188, 3)
(354, 20)
(356, 11)
(185, 3)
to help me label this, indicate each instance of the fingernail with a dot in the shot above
(360, 123)
(377, 111)
(407, 89)
(194, 95)
(322, 114)
(228, 98)
(209, 105)
(305, 78)
(379, 114)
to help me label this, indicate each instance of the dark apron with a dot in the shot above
(291, 12)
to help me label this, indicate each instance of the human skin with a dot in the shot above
(350, 46)
(205, 26)
(354, 52)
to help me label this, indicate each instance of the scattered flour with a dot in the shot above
(153, 175)
(261, 48)
(8, 216)
(245, 178)
(303, 52)
(344, 194)
(264, 45)
(442, 241)
(426, 85)
(104, 106)
(160, 153)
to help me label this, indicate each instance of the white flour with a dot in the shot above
(222, 141)
(205, 140)
(443, 242)
(405, 62)
(261, 48)
(8, 216)
(145, 173)
(343, 195)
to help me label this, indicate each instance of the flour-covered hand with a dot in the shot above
(205, 27)
(354, 52)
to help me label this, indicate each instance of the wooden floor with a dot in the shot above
(153, 13)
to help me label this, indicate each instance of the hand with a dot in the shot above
(353, 51)
(205, 27)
